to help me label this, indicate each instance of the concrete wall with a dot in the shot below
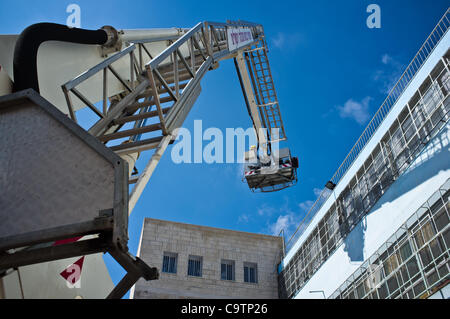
(212, 244)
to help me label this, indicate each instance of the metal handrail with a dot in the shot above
(99, 67)
(414, 66)
(185, 37)
(174, 46)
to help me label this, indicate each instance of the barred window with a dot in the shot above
(227, 270)
(195, 266)
(250, 273)
(170, 263)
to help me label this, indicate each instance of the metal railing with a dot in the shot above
(70, 86)
(432, 212)
(206, 40)
(419, 59)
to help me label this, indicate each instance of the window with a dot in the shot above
(227, 270)
(390, 264)
(250, 273)
(195, 266)
(170, 263)
(405, 251)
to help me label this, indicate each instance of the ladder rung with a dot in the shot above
(138, 143)
(138, 117)
(133, 107)
(160, 91)
(131, 132)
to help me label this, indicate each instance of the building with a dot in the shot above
(381, 229)
(205, 262)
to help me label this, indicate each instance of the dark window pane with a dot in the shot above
(165, 264)
(391, 264)
(360, 290)
(195, 266)
(413, 268)
(436, 247)
(250, 273)
(425, 256)
(169, 263)
(432, 278)
(392, 284)
(382, 291)
(441, 219)
(227, 270)
(443, 270)
(405, 251)
(428, 231)
(446, 236)
(404, 273)
(419, 288)
(419, 239)
(223, 271)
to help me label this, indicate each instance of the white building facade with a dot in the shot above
(382, 230)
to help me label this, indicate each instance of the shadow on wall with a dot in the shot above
(433, 159)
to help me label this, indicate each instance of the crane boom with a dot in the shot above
(143, 83)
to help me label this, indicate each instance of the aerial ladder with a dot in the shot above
(141, 86)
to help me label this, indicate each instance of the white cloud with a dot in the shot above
(306, 205)
(386, 59)
(285, 40)
(288, 218)
(389, 74)
(317, 191)
(358, 111)
(279, 40)
(265, 210)
(243, 219)
(284, 222)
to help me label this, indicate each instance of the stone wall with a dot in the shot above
(213, 245)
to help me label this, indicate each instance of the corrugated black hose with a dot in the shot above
(27, 45)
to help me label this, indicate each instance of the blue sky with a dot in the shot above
(331, 73)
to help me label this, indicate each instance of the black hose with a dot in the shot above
(27, 45)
